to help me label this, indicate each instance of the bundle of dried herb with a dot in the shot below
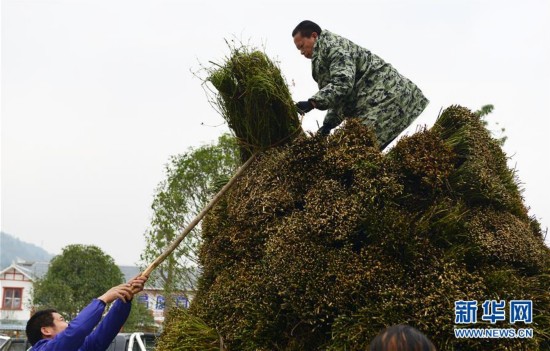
(254, 99)
(183, 331)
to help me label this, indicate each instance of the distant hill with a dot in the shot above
(12, 248)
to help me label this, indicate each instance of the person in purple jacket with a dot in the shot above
(47, 330)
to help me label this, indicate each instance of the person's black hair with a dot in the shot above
(402, 338)
(306, 28)
(38, 320)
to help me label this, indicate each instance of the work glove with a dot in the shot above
(324, 130)
(304, 107)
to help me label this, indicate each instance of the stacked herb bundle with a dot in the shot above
(254, 99)
(183, 331)
(326, 241)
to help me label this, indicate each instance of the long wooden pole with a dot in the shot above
(198, 218)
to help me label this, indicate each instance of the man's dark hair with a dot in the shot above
(38, 320)
(305, 28)
(403, 338)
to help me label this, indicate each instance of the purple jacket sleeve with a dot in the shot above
(72, 338)
(106, 331)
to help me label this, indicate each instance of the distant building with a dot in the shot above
(16, 284)
(152, 296)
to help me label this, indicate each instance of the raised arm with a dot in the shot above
(110, 326)
(72, 338)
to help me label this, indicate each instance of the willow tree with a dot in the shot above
(190, 181)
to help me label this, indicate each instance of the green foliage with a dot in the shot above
(140, 319)
(187, 188)
(325, 241)
(254, 99)
(485, 111)
(76, 276)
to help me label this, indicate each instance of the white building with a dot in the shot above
(152, 297)
(16, 282)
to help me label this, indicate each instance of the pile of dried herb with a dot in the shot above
(254, 99)
(326, 241)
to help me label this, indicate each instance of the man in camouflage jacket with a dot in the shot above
(353, 82)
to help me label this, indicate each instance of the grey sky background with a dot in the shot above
(97, 95)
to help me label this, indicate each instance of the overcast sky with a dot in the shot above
(97, 95)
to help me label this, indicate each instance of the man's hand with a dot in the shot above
(324, 130)
(137, 283)
(122, 291)
(304, 107)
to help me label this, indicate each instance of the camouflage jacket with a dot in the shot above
(353, 82)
